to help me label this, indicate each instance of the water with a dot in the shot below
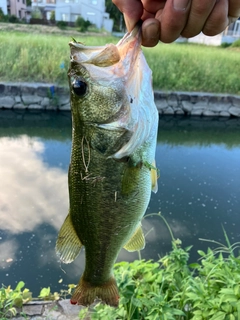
(199, 191)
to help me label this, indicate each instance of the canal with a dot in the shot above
(198, 192)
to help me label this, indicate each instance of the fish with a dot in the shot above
(112, 169)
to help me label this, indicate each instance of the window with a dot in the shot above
(65, 17)
(74, 17)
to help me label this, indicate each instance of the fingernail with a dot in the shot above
(150, 35)
(180, 4)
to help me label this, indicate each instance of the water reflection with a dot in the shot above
(199, 190)
(31, 190)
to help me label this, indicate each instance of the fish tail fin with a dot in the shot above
(85, 293)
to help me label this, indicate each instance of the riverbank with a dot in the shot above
(41, 96)
(48, 310)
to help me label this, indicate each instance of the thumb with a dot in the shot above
(132, 11)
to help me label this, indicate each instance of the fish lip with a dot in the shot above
(82, 46)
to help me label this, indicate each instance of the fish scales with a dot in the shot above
(112, 170)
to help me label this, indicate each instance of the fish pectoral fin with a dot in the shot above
(154, 177)
(137, 241)
(68, 244)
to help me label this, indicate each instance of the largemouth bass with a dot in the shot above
(112, 169)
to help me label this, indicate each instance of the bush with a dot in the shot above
(225, 44)
(61, 24)
(3, 17)
(8, 18)
(52, 16)
(170, 289)
(82, 24)
(236, 44)
(13, 19)
(36, 14)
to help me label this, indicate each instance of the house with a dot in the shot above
(16, 8)
(229, 35)
(70, 10)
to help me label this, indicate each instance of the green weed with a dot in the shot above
(172, 289)
(176, 67)
(12, 298)
(168, 289)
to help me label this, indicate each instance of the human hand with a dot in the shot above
(166, 20)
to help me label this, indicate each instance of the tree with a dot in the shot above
(116, 15)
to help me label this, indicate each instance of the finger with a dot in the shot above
(218, 19)
(132, 11)
(199, 13)
(153, 6)
(150, 32)
(151, 26)
(233, 10)
(173, 19)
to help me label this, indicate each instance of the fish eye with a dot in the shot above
(79, 87)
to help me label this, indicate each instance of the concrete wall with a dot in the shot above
(41, 96)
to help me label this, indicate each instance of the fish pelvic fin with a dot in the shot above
(137, 241)
(85, 293)
(68, 244)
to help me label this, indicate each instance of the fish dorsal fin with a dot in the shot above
(137, 241)
(68, 245)
(154, 177)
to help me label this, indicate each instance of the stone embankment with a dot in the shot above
(40, 96)
(49, 310)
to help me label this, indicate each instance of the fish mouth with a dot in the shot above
(123, 68)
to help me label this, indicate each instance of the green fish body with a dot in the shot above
(112, 169)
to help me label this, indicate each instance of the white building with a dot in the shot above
(3, 6)
(231, 34)
(70, 10)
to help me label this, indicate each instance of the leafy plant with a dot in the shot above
(82, 24)
(172, 289)
(52, 16)
(169, 289)
(12, 18)
(45, 293)
(12, 298)
(36, 13)
(61, 24)
(236, 44)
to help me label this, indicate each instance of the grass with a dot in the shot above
(189, 67)
(37, 57)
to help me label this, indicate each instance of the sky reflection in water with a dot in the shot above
(199, 191)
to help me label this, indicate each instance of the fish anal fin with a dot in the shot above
(154, 177)
(68, 244)
(137, 241)
(85, 293)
